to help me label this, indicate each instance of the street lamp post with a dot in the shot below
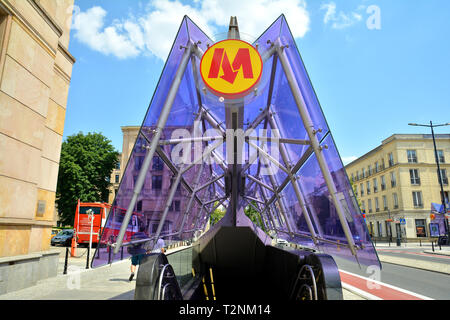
(431, 125)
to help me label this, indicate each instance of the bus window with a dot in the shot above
(96, 210)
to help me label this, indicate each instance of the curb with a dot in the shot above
(358, 292)
(442, 253)
(415, 267)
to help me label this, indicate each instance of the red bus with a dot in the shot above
(82, 225)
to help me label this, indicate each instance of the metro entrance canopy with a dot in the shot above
(263, 143)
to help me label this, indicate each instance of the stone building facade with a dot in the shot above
(35, 74)
(396, 183)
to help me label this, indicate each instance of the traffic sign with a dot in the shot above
(402, 221)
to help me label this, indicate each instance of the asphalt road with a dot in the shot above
(428, 283)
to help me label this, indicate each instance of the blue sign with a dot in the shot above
(402, 221)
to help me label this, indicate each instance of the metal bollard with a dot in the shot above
(109, 254)
(66, 260)
(121, 254)
(87, 258)
(439, 245)
(420, 240)
(432, 245)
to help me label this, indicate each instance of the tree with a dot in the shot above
(254, 216)
(84, 172)
(217, 214)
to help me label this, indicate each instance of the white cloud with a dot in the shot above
(340, 20)
(153, 31)
(110, 40)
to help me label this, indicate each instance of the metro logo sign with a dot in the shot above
(231, 68)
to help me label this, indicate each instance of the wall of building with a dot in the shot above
(429, 186)
(35, 74)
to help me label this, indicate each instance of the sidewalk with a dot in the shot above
(104, 283)
(412, 262)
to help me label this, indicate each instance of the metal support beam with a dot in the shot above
(188, 140)
(191, 198)
(260, 182)
(309, 126)
(285, 156)
(165, 111)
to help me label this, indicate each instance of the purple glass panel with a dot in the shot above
(187, 213)
(303, 80)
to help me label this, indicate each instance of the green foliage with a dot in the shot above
(84, 172)
(217, 214)
(254, 215)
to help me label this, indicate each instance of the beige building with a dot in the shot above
(399, 180)
(115, 180)
(35, 73)
(157, 183)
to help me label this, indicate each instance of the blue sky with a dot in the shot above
(370, 82)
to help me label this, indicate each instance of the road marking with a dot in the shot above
(384, 291)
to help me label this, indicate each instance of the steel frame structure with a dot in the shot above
(266, 197)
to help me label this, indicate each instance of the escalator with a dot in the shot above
(234, 264)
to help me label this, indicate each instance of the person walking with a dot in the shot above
(137, 251)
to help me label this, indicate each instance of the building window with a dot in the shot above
(138, 163)
(412, 156)
(391, 159)
(118, 165)
(117, 178)
(383, 183)
(421, 230)
(353, 178)
(380, 229)
(382, 164)
(393, 179)
(363, 206)
(395, 198)
(377, 167)
(363, 174)
(445, 197)
(443, 177)
(356, 190)
(369, 205)
(377, 206)
(158, 164)
(368, 187)
(357, 175)
(441, 157)
(417, 199)
(369, 170)
(414, 175)
(375, 185)
(157, 183)
(385, 205)
(361, 188)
